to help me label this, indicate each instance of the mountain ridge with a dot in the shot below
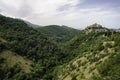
(58, 33)
(91, 54)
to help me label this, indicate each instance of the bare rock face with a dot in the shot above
(96, 28)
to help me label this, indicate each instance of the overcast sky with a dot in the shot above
(72, 13)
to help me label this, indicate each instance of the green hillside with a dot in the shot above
(28, 53)
(16, 37)
(58, 33)
(97, 55)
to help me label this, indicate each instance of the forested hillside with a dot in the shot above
(97, 56)
(28, 53)
(38, 53)
(58, 33)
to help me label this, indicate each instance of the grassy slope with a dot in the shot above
(13, 65)
(12, 59)
(94, 52)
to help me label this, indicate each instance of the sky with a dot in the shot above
(73, 13)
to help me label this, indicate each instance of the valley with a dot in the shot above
(56, 52)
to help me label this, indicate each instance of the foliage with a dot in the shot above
(110, 68)
(30, 43)
(58, 33)
(37, 46)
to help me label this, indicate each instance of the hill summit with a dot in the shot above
(96, 28)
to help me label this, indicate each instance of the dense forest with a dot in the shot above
(17, 37)
(57, 52)
(58, 33)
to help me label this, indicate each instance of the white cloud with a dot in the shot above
(61, 12)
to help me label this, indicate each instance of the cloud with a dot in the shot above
(74, 13)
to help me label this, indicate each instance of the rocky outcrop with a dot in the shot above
(96, 28)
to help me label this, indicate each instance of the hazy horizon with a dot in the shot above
(73, 13)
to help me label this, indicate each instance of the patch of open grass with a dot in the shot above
(12, 59)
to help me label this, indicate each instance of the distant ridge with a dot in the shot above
(32, 25)
(59, 33)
